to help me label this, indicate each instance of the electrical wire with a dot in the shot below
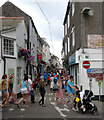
(48, 23)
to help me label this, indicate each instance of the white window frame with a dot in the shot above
(65, 27)
(68, 19)
(68, 44)
(73, 36)
(65, 48)
(73, 8)
(8, 46)
(14, 47)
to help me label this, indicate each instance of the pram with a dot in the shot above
(85, 103)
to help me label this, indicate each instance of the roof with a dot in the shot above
(10, 10)
(67, 11)
(10, 22)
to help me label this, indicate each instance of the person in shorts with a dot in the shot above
(70, 91)
(24, 91)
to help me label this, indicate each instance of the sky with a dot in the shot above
(55, 11)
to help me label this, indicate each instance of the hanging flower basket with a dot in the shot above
(26, 54)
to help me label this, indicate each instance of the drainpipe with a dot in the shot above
(27, 48)
(4, 59)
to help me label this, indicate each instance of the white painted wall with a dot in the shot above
(33, 40)
(95, 59)
(20, 36)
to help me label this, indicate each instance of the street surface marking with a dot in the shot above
(59, 110)
(11, 109)
(22, 109)
(52, 103)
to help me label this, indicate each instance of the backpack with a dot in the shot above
(55, 80)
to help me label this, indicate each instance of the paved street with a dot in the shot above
(50, 111)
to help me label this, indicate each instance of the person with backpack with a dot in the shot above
(3, 88)
(55, 79)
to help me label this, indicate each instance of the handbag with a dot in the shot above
(55, 88)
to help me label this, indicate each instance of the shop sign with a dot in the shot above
(72, 59)
(99, 76)
(95, 70)
(91, 75)
(39, 57)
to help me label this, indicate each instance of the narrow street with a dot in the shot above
(51, 110)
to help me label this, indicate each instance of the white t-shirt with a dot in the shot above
(29, 84)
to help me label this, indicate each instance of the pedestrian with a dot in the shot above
(31, 90)
(70, 91)
(59, 93)
(24, 91)
(3, 87)
(45, 77)
(52, 82)
(42, 92)
(10, 88)
(48, 79)
(41, 78)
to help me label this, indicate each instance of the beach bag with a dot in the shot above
(55, 87)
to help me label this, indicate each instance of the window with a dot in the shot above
(73, 8)
(65, 48)
(68, 20)
(8, 46)
(65, 27)
(73, 36)
(19, 75)
(68, 44)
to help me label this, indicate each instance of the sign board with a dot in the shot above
(99, 83)
(99, 76)
(95, 41)
(39, 57)
(95, 70)
(86, 64)
(72, 59)
(91, 75)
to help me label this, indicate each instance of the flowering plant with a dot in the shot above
(25, 53)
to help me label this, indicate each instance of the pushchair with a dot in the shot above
(85, 103)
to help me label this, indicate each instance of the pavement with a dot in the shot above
(50, 111)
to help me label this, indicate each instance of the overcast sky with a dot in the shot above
(55, 12)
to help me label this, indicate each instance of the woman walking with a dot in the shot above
(42, 92)
(24, 91)
(59, 93)
(10, 88)
(3, 84)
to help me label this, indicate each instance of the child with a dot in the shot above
(42, 92)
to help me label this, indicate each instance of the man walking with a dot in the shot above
(31, 89)
(70, 91)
